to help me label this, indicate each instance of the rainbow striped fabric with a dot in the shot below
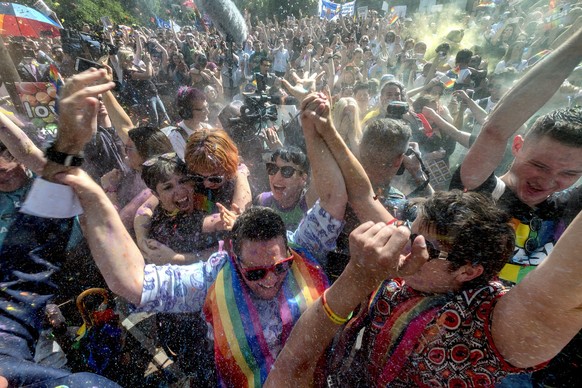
(202, 202)
(537, 57)
(449, 84)
(55, 78)
(399, 334)
(242, 356)
(393, 19)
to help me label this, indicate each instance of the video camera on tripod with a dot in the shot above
(78, 44)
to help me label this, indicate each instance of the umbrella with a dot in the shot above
(19, 20)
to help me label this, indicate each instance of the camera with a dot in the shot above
(254, 114)
(77, 44)
(82, 64)
(258, 106)
(408, 152)
(396, 109)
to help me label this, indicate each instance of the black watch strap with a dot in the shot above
(64, 159)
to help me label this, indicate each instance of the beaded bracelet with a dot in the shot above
(392, 221)
(329, 312)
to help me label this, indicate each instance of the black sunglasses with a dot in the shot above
(286, 171)
(531, 244)
(433, 253)
(199, 179)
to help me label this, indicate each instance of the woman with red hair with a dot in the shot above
(220, 183)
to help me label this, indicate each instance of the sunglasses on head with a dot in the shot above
(286, 171)
(254, 274)
(170, 157)
(215, 179)
(433, 253)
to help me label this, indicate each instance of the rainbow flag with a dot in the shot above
(449, 84)
(393, 19)
(241, 352)
(537, 57)
(202, 202)
(55, 78)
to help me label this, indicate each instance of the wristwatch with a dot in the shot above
(64, 159)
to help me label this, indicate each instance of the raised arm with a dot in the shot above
(115, 253)
(327, 177)
(359, 189)
(20, 145)
(516, 107)
(374, 256)
(450, 130)
(479, 113)
(547, 302)
(119, 118)
(242, 196)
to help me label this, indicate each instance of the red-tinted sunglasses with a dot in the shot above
(254, 274)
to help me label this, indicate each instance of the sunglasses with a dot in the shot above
(433, 252)
(169, 157)
(286, 171)
(254, 274)
(214, 179)
(531, 244)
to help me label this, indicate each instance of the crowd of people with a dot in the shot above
(358, 201)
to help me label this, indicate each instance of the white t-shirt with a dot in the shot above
(280, 60)
(179, 135)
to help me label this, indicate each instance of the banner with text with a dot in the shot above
(330, 10)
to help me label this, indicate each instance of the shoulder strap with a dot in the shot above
(182, 133)
(499, 189)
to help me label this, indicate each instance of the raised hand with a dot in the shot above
(228, 217)
(316, 113)
(376, 249)
(303, 86)
(78, 106)
(461, 95)
(272, 138)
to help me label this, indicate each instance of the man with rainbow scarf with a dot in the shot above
(251, 294)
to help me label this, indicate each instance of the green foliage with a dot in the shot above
(73, 13)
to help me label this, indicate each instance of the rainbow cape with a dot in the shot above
(242, 356)
(400, 333)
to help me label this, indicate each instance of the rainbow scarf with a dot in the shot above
(399, 335)
(242, 356)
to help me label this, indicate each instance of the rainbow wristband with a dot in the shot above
(329, 312)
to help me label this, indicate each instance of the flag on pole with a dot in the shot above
(161, 23)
